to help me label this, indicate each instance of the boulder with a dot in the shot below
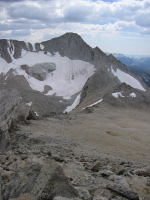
(126, 192)
(12, 109)
(87, 181)
(105, 173)
(119, 180)
(143, 172)
(83, 193)
(95, 167)
(57, 185)
(38, 180)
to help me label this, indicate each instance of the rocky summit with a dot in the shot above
(74, 123)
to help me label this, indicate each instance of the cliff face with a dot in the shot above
(12, 110)
(12, 49)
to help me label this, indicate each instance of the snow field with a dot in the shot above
(128, 79)
(67, 80)
(74, 105)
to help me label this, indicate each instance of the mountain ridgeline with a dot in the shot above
(61, 75)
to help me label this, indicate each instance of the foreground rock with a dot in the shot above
(12, 110)
(48, 161)
(37, 179)
(127, 192)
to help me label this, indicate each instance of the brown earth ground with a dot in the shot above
(113, 140)
(114, 133)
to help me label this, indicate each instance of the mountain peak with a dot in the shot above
(71, 34)
(70, 45)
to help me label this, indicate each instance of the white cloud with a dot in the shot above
(40, 19)
(143, 19)
(77, 10)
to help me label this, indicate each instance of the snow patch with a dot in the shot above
(117, 94)
(13, 49)
(3, 66)
(8, 48)
(36, 114)
(27, 45)
(42, 46)
(8, 42)
(29, 104)
(33, 46)
(128, 79)
(132, 95)
(6, 77)
(73, 106)
(67, 80)
(93, 104)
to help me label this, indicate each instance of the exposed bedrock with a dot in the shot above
(39, 71)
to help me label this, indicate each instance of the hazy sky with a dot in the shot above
(121, 26)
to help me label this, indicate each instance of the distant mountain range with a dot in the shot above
(139, 66)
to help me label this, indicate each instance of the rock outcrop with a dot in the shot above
(12, 110)
(13, 49)
(39, 71)
(36, 179)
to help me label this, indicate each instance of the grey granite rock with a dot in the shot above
(38, 180)
(13, 49)
(126, 192)
(39, 71)
(12, 109)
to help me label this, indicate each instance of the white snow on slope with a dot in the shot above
(36, 114)
(29, 104)
(6, 77)
(67, 80)
(27, 45)
(74, 105)
(3, 66)
(117, 94)
(42, 46)
(128, 79)
(132, 95)
(8, 49)
(33, 46)
(93, 104)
